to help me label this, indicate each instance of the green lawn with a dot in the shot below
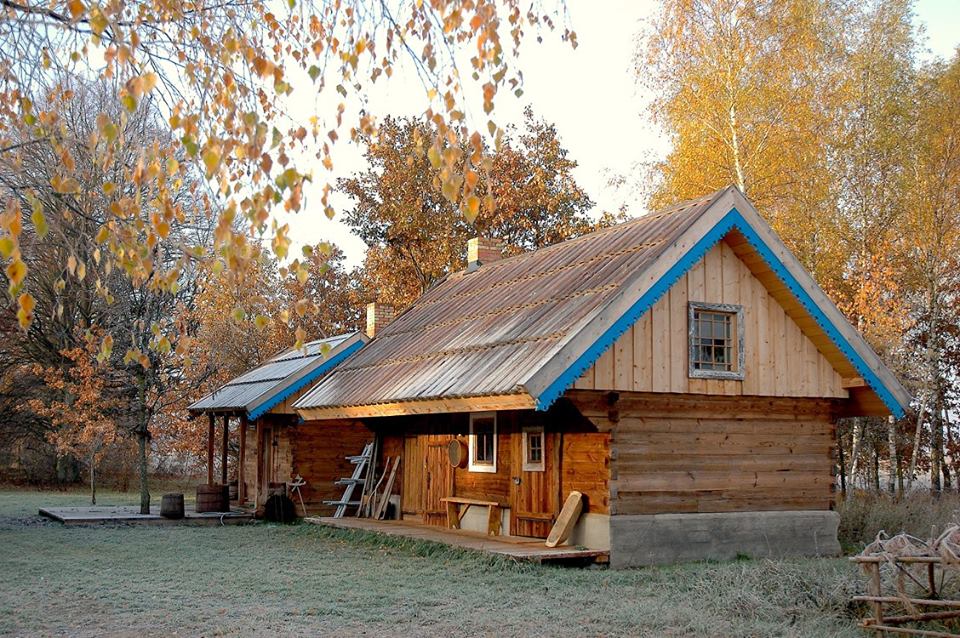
(261, 579)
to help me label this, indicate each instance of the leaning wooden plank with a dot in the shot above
(569, 515)
(381, 507)
(369, 501)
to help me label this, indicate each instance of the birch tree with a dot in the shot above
(225, 74)
(743, 89)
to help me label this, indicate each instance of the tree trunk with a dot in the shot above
(953, 462)
(876, 468)
(854, 456)
(936, 449)
(843, 466)
(894, 458)
(142, 440)
(93, 480)
(915, 452)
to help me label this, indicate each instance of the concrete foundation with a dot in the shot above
(592, 530)
(673, 538)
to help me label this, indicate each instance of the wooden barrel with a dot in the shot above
(280, 489)
(171, 506)
(234, 491)
(213, 498)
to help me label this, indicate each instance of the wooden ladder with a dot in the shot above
(360, 471)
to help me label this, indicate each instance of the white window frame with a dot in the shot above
(472, 465)
(529, 466)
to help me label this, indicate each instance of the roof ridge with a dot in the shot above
(542, 273)
(502, 310)
(646, 218)
(443, 353)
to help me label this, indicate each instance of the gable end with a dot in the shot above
(888, 390)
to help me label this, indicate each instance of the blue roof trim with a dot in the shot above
(307, 379)
(733, 219)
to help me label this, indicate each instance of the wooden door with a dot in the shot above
(535, 488)
(438, 479)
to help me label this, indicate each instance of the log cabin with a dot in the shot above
(682, 371)
(272, 447)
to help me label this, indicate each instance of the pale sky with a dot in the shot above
(590, 94)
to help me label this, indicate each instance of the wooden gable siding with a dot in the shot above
(286, 406)
(680, 454)
(652, 356)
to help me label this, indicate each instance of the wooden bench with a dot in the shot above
(455, 513)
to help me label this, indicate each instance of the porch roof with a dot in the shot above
(262, 388)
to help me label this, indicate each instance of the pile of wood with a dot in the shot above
(912, 585)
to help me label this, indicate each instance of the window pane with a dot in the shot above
(711, 343)
(534, 447)
(483, 441)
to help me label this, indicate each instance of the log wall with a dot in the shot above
(682, 454)
(318, 454)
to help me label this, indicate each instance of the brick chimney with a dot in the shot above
(378, 316)
(483, 250)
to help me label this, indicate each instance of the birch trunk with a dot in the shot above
(894, 458)
(854, 456)
(915, 452)
(936, 449)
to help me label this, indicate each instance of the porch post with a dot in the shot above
(210, 450)
(223, 451)
(258, 487)
(241, 471)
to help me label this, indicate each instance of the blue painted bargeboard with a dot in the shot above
(732, 220)
(322, 369)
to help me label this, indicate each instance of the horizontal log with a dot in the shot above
(696, 480)
(630, 461)
(724, 426)
(708, 445)
(706, 406)
(722, 501)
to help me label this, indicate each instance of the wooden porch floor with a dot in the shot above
(131, 514)
(518, 548)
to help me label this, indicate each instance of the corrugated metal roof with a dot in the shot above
(259, 389)
(485, 332)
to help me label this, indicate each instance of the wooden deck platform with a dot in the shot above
(518, 548)
(130, 514)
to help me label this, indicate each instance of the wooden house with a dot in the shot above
(682, 370)
(273, 448)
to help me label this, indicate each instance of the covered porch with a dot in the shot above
(518, 548)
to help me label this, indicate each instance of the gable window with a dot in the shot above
(716, 341)
(533, 449)
(483, 442)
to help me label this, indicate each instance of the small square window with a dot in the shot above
(483, 442)
(533, 443)
(716, 341)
